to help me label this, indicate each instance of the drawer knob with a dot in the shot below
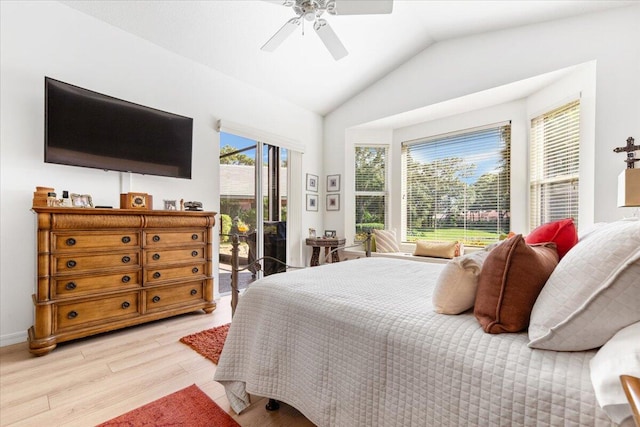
(125, 279)
(72, 314)
(193, 292)
(156, 238)
(126, 239)
(156, 298)
(71, 263)
(194, 236)
(126, 259)
(125, 304)
(194, 253)
(70, 241)
(70, 286)
(156, 275)
(194, 270)
(156, 257)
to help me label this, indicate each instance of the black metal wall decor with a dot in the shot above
(629, 149)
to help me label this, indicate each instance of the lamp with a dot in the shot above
(629, 188)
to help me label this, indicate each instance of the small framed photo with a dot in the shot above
(312, 202)
(170, 205)
(330, 234)
(81, 200)
(333, 202)
(312, 182)
(333, 183)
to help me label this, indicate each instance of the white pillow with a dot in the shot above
(619, 356)
(386, 241)
(593, 292)
(455, 290)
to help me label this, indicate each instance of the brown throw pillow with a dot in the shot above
(512, 276)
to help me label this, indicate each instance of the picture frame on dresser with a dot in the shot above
(81, 200)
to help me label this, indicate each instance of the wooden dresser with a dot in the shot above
(105, 269)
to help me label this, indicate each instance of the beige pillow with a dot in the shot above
(438, 249)
(456, 286)
(593, 293)
(386, 241)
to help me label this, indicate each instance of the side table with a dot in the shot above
(328, 244)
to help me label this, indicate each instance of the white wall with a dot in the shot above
(464, 66)
(49, 39)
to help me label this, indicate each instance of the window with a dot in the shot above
(371, 189)
(457, 186)
(554, 165)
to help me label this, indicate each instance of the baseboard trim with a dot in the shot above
(15, 338)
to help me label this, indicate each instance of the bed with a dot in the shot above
(358, 343)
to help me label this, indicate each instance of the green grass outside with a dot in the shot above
(469, 238)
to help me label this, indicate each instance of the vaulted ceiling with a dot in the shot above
(226, 35)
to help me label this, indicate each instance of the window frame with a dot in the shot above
(536, 183)
(442, 137)
(384, 193)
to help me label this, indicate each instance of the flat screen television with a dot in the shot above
(89, 129)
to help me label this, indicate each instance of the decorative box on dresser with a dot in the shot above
(105, 269)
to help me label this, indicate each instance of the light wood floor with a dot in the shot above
(88, 381)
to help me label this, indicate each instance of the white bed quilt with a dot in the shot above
(357, 343)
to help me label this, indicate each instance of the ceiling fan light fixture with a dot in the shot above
(312, 10)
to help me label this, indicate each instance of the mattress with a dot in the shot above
(357, 343)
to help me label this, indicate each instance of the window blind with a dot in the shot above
(457, 186)
(554, 165)
(371, 188)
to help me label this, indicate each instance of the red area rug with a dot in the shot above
(209, 342)
(189, 407)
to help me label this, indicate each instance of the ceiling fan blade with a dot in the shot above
(287, 3)
(330, 39)
(276, 40)
(363, 7)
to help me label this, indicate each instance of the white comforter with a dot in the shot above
(357, 343)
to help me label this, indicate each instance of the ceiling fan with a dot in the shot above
(312, 11)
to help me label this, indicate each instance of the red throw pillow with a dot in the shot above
(563, 233)
(511, 278)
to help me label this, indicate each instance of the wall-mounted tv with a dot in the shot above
(87, 128)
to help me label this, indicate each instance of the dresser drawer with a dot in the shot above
(76, 286)
(73, 241)
(103, 310)
(163, 256)
(86, 261)
(158, 238)
(188, 272)
(182, 294)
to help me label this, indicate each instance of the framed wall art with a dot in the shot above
(312, 182)
(333, 183)
(333, 202)
(312, 202)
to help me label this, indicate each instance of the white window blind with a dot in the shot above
(371, 189)
(554, 165)
(457, 186)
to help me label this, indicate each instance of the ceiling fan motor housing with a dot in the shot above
(313, 9)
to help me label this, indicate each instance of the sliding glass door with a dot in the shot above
(253, 205)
